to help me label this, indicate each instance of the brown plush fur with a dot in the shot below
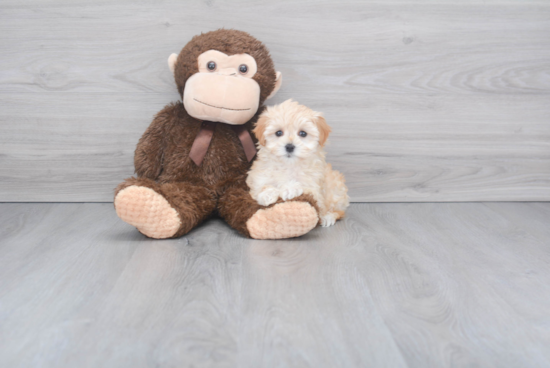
(162, 160)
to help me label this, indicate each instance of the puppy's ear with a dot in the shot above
(324, 129)
(259, 129)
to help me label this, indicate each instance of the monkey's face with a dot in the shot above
(224, 76)
(223, 89)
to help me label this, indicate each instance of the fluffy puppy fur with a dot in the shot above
(291, 161)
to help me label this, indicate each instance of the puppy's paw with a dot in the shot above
(290, 191)
(268, 196)
(328, 220)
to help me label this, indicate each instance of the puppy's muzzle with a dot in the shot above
(289, 148)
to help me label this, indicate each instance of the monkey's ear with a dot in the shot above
(259, 129)
(324, 129)
(172, 62)
(278, 82)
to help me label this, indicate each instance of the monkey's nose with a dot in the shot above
(289, 147)
(228, 71)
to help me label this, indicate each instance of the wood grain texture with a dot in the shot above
(400, 285)
(429, 101)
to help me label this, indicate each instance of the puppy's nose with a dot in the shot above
(289, 147)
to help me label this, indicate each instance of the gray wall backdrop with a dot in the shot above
(428, 100)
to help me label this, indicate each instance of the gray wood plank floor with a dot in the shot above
(393, 285)
(429, 100)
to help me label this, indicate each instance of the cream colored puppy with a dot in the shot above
(291, 161)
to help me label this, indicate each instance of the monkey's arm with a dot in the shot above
(148, 158)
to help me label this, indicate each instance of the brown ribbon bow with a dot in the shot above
(203, 139)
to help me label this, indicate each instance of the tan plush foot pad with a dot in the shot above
(284, 220)
(147, 210)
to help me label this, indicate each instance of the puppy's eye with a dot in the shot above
(211, 65)
(279, 133)
(302, 134)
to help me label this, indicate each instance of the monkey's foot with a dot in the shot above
(148, 211)
(284, 220)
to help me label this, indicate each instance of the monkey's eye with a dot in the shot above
(279, 133)
(211, 65)
(302, 134)
(243, 68)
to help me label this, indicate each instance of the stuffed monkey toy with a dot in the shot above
(193, 159)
